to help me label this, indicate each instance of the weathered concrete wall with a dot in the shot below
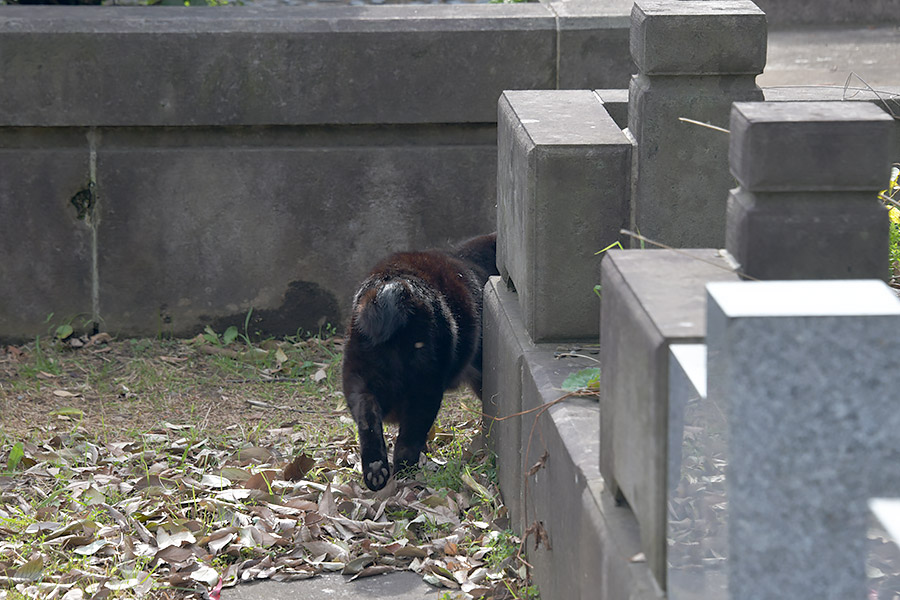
(592, 540)
(257, 158)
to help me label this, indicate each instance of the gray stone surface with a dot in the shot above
(310, 65)
(682, 180)
(781, 13)
(592, 539)
(593, 42)
(887, 98)
(651, 299)
(264, 157)
(47, 263)
(820, 235)
(504, 343)
(687, 385)
(805, 369)
(829, 55)
(883, 541)
(616, 104)
(810, 146)
(617, 544)
(696, 508)
(192, 233)
(809, 175)
(562, 192)
(303, 65)
(330, 586)
(566, 435)
(698, 37)
(887, 512)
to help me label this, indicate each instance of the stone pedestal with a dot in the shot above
(809, 175)
(694, 58)
(563, 181)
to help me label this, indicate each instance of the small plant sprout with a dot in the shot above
(891, 199)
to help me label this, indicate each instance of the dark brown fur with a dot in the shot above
(415, 332)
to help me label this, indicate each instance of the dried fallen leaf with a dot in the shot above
(540, 464)
(97, 339)
(118, 585)
(357, 564)
(299, 467)
(540, 535)
(174, 500)
(31, 570)
(371, 571)
(205, 574)
(261, 481)
(214, 481)
(92, 548)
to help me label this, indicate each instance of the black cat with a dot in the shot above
(415, 331)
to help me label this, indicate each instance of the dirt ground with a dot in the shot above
(118, 388)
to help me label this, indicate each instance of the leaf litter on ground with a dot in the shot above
(156, 477)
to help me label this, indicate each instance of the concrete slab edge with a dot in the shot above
(567, 496)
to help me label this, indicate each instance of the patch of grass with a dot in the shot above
(456, 461)
(43, 361)
(504, 546)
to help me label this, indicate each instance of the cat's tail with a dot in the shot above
(381, 310)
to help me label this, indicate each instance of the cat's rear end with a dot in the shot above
(415, 331)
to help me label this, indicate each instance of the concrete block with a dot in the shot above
(616, 546)
(687, 386)
(198, 227)
(708, 37)
(805, 370)
(683, 181)
(593, 43)
(885, 98)
(592, 539)
(47, 263)
(268, 66)
(651, 299)
(810, 146)
(562, 188)
(566, 436)
(504, 343)
(808, 235)
(694, 58)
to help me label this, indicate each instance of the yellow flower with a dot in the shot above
(894, 213)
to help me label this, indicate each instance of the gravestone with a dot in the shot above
(805, 371)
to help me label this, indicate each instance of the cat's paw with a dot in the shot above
(376, 474)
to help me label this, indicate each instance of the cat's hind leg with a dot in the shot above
(373, 451)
